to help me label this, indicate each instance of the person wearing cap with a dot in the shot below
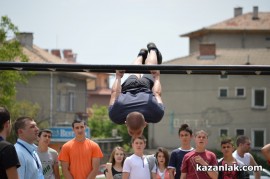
(138, 100)
(9, 161)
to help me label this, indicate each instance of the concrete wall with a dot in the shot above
(39, 90)
(231, 40)
(194, 99)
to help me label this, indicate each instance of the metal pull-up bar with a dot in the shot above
(164, 68)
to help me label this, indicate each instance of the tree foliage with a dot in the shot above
(23, 108)
(10, 48)
(101, 126)
(11, 51)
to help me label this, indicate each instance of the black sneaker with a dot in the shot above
(152, 46)
(143, 52)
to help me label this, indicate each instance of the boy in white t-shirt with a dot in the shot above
(138, 165)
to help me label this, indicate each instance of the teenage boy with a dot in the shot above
(9, 161)
(47, 155)
(177, 155)
(80, 156)
(138, 165)
(227, 149)
(198, 158)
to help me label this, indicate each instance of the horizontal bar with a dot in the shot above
(164, 68)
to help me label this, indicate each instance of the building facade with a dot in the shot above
(222, 104)
(61, 96)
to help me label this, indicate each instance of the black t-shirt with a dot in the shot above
(143, 102)
(115, 174)
(176, 159)
(8, 158)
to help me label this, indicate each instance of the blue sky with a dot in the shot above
(113, 31)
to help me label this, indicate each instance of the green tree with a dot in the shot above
(23, 108)
(101, 126)
(11, 51)
(100, 123)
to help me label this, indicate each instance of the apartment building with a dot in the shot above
(220, 104)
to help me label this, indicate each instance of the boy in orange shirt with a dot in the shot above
(80, 157)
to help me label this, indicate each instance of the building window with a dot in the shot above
(91, 84)
(223, 132)
(258, 138)
(66, 101)
(71, 101)
(240, 92)
(223, 92)
(259, 98)
(240, 132)
(61, 100)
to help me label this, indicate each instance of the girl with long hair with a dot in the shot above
(114, 167)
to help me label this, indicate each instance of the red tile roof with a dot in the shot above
(243, 22)
(38, 55)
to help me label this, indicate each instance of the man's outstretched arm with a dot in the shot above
(157, 85)
(266, 151)
(116, 88)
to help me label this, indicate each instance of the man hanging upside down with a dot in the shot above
(138, 100)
